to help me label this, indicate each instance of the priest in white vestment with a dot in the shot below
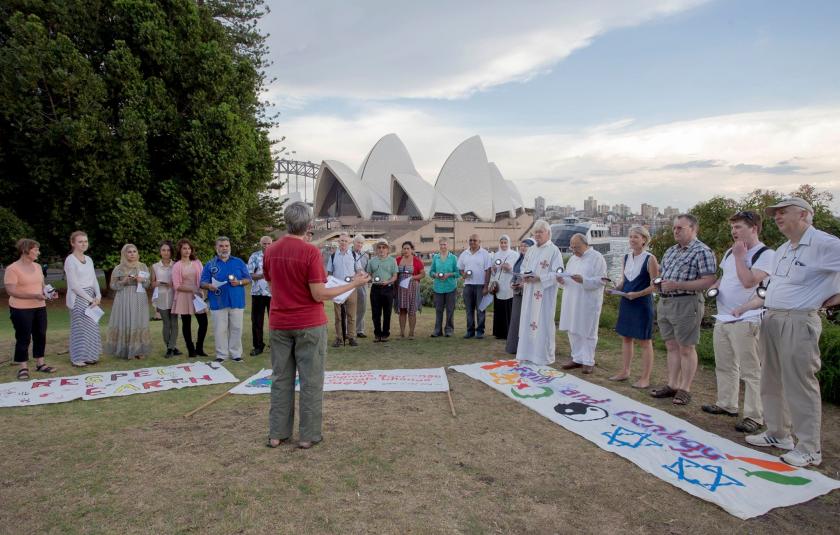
(539, 298)
(583, 295)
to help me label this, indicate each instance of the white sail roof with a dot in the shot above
(465, 180)
(333, 171)
(387, 157)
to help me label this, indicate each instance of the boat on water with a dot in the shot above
(597, 234)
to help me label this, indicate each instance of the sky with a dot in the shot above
(668, 102)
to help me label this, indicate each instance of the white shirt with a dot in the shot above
(633, 265)
(79, 276)
(581, 306)
(504, 278)
(732, 293)
(344, 264)
(803, 278)
(477, 262)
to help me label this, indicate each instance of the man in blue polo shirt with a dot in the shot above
(225, 278)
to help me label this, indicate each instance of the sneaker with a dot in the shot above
(748, 425)
(766, 441)
(236, 359)
(219, 359)
(800, 459)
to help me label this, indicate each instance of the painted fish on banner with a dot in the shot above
(744, 482)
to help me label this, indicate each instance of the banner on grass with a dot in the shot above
(112, 383)
(417, 380)
(744, 482)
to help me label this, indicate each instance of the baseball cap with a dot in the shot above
(789, 201)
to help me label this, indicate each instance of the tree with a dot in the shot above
(133, 120)
(713, 216)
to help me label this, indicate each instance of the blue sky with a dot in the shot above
(610, 99)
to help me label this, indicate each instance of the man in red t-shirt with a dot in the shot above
(298, 324)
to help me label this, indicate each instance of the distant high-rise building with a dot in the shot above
(669, 212)
(621, 210)
(603, 209)
(539, 207)
(649, 211)
(590, 206)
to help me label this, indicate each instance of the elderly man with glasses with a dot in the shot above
(804, 277)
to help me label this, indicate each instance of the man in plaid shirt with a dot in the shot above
(688, 268)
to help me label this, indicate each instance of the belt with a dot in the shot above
(663, 296)
(792, 311)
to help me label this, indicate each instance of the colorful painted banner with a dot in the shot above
(416, 380)
(744, 482)
(107, 384)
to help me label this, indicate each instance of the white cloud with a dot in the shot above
(675, 164)
(436, 49)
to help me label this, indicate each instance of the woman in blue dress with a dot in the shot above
(635, 311)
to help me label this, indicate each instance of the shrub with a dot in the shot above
(829, 375)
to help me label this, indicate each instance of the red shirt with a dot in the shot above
(289, 265)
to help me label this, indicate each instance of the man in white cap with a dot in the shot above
(804, 277)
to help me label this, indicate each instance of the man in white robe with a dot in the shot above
(583, 295)
(539, 298)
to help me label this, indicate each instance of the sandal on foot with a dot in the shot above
(682, 398)
(663, 391)
(43, 368)
(23, 374)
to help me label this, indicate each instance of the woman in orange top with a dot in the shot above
(24, 283)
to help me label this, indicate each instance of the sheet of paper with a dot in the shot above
(332, 282)
(94, 313)
(486, 301)
(728, 318)
(199, 304)
(565, 275)
(217, 283)
(405, 283)
(155, 294)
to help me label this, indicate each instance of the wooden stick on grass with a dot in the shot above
(451, 404)
(207, 404)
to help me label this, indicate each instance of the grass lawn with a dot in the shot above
(389, 463)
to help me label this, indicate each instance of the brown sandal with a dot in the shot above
(663, 391)
(682, 398)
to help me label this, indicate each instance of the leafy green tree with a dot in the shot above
(134, 120)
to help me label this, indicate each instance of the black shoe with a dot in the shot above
(255, 352)
(714, 409)
(337, 343)
(434, 335)
(176, 352)
(448, 335)
(353, 343)
(237, 359)
(169, 354)
(479, 336)
(192, 356)
(201, 353)
(219, 359)
(361, 335)
(468, 335)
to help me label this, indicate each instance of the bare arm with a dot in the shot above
(12, 290)
(320, 292)
(752, 304)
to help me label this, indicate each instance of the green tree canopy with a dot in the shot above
(713, 216)
(134, 120)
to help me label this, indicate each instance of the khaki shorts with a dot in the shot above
(679, 318)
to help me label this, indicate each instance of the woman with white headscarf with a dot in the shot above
(128, 328)
(501, 275)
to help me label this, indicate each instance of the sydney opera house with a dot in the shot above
(388, 197)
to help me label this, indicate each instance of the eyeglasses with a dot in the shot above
(472, 240)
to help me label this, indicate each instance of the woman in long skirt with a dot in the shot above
(516, 307)
(82, 293)
(501, 273)
(128, 327)
(409, 268)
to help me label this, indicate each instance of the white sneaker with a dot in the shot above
(765, 441)
(798, 458)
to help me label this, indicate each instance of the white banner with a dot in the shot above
(744, 482)
(112, 383)
(416, 380)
